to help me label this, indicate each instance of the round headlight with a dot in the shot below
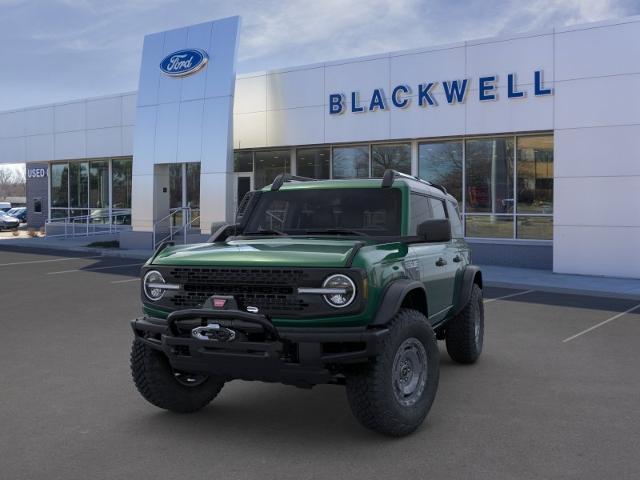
(151, 284)
(344, 291)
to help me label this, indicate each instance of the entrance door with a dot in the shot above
(244, 184)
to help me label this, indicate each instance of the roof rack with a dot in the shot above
(286, 177)
(390, 175)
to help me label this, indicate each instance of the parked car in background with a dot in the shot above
(8, 222)
(20, 213)
(5, 206)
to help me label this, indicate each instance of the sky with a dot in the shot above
(58, 50)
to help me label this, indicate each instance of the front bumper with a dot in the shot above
(299, 356)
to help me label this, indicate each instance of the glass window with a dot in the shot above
(489, 226)
(312, 162)
(351, 162)
(420, 211)
(243, 161)
(193, 192)
(396, 157)
(534, 227)
(268, 165)
(121, 183)
(437, 207)
(374, 212)
(60, 185)
(454, 218)
(441, 163)
(175, 185)
(99, 184)
(535, 174)
(489, 175)
(37, 205)
(78, 184)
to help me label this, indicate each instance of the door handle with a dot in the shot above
(457, 258)
(441, 262)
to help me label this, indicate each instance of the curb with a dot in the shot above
(106, 252)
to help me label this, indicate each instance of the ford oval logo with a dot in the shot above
(184, 62)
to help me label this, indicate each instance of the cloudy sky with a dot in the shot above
(54, 50)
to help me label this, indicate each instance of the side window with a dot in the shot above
(420, 210)
(437, 206)
(456, 223)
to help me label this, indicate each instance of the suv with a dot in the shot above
(348, 282)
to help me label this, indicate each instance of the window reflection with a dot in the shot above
(396, 157)
(489, 175)
(351, 162)
(535, 174)
(312, 162)
(268, 164)
(441, 163)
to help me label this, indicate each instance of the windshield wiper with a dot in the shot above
(265, 231)
(336, 231)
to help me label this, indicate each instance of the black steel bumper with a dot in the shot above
(301, 356)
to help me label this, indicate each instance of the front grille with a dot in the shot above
(272, 291)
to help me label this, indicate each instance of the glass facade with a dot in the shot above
(503, 183)
(83, 188)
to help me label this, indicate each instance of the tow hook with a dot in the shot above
(214, 332)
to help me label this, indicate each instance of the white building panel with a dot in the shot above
(223, 49)
(295, 89)
(190, 131)
(295, 126)
(250, 95)
(597, 201)
(104, 112)
(129, 109)
(193, 86)
(69, 117)
(597, 102)
(598, 51)
(39, 147)
(12, 150)
(597, 152)
(70, 145)
(428, 121)
(166, 133)
(170, 88)
(250, 130)
(38, 121)
(356, 127)
(12, 124)
(153, 46)
(585, 250)
(357, 75)
(104, 142)
(427, 66)
(127, 141)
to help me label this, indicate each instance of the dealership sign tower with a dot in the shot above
(184, 114)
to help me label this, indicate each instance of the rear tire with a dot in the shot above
(465, 333)
(165, 388)
(394, 392)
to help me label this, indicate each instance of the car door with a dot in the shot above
(435, 261)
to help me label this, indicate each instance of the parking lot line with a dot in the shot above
(92, 269)
(46, 261)
(489, 300)
(127, 280)
(615, 317)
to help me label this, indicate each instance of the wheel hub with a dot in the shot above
(409, 373)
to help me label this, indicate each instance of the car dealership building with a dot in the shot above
(537, 135)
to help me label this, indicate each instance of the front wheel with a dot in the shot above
(167, 388)
(393, 394)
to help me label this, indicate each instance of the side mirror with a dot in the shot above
(435, 231)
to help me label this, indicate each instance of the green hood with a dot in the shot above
(277, 252)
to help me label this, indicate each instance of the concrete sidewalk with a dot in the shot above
(547, 281)
(496, 276)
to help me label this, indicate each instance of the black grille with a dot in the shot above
(272, 291)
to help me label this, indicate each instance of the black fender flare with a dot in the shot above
(472, 274)
(392, 298)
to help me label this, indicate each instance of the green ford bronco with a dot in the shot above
(348, 282)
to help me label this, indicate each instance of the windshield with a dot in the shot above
(336, 211)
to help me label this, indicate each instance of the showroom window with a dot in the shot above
(82, 188)
(313, 162)
(441, 163)
(396, 157)
(351, 162)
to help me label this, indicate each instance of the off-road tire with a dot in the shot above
(463, 345)
(370, 388)
(155, 380)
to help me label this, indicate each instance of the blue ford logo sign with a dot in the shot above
(184, 62)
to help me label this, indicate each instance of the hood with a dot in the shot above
(276, 252)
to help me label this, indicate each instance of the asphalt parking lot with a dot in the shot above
(551, 397)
